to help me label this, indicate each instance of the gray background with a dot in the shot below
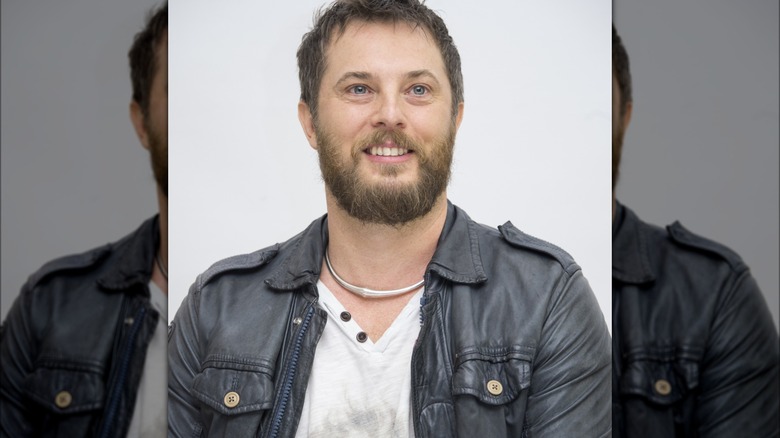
(74, 175)
(702, 146)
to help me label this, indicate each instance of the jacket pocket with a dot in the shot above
(233, 401)
(490, 394)
(70, 399)
(494, 381)
(656, 395)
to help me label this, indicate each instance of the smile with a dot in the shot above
(384, 151)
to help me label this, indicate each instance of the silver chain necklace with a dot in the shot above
(370, 293)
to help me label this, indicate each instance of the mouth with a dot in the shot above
(383, 151)
(387, 150)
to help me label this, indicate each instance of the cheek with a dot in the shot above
(430, 125)
(344, 123)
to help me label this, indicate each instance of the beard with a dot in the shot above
(391, 203)
(158, 153)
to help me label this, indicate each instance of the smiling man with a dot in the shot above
(394, 314)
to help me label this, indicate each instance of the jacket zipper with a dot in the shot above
(290, 376)
(124, 365)
(424, 300)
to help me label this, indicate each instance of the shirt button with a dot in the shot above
(63, 399)
(361, 337)
(494, 387)
(345, 316)
(231, 399)
(662, 387)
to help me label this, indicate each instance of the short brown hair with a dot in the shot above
(333, 21)
(143, 55)
(622, 71)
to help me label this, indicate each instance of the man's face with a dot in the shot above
(156, 119)
(618, 130)
(385, 129)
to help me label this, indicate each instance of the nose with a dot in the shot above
(389, 112)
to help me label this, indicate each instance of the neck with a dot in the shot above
(383, 257)
(162, 251)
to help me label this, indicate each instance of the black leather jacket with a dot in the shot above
(75, 340)
(498, 305)
(695, 352)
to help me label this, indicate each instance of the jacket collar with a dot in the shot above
(133, 259)
(457, 255)
(630, 251)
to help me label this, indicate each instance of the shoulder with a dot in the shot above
(687, 241)
(78, 265)
(238, 263)
(533, 247)
(96, 261)
(257, 262)
(234, 292)
(676, 245)
(672, 249)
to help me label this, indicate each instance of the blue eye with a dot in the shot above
(359, 89)
(419, 90)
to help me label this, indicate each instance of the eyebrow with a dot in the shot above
(363, 76)
(422, 73)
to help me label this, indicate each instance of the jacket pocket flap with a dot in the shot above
(230, 392)
(661, 382)
(493, 381)
(66, 391)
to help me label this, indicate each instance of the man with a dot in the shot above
(395, 314)
(83, 349)
(695, 352)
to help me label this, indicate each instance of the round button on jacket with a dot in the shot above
(231, 399)
(63, 399)
(345, 316)
(495, 387)
(361, 337)
(662, 387)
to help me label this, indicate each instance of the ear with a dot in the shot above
(307, 123)
(459, 116)
(137, 117)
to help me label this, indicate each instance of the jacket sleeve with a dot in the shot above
(739, 372)
(17, 352)
(183, 365)
(570, 393)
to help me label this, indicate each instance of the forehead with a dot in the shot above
(382, 45)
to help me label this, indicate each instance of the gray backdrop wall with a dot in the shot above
(74, 175)
(703, 143)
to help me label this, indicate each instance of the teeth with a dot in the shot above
(384, 151)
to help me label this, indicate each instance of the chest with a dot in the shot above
(360, 386)
(373, 316)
